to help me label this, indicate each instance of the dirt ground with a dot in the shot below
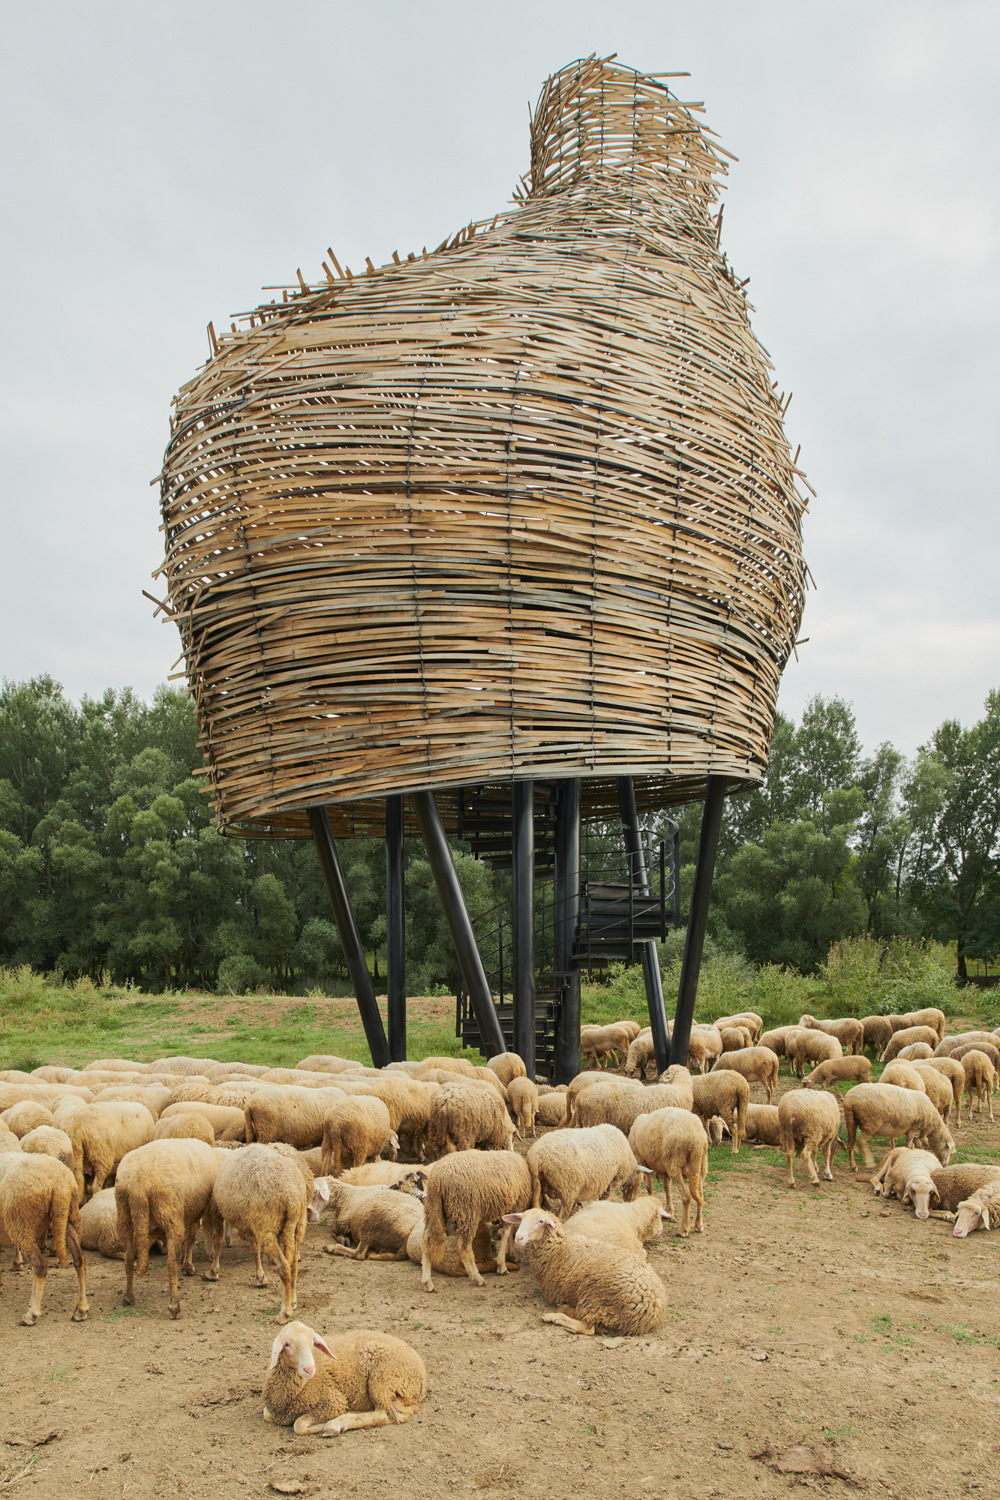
(820, 1318)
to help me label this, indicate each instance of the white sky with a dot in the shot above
(166, 162)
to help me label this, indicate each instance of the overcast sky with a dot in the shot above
(165, 162)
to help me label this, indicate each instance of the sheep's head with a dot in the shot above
(413, 1182)
(919, 1191)
(533, 1225)
(320, 1198)
(970, 1215)
(295, 1344)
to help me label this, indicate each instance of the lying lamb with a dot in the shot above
(326, 1387)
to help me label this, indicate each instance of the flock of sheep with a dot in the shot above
(259, 1152)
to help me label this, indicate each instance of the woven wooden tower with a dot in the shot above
(518, 509)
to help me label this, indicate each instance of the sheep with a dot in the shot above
(593, 1284)
(904, 1076)
(21, 1118)
(704, 1046)
(235, 1070)
(953, 1184)
(915, 1052)
(38, 1197)
(379, 1219)
(579, 1165)
(8, 1140)
(976, 1210)
(161, 1191)
(839, 1070)
(947, 1045)
(228, 1123)
(808, 1045)
(882, 1109)
(355, 1131)
(99, 1225)
(184, 1067)
(763, 1127)
(906, 1175)
(954, 1073)
(905, 1038)
(980, 1078)
(622, 1107)
(641, 1056)
(263, 1195)
(849, 1032)
(323, 1387)
(775, 1039)
(522, 1098)
(748, 1018)
(930, 1016)
(457, 1065)
(877, 1031)
(680, 1080)
(463, 1116)
(507, 1066)
(551, 1110)
(154, 1096)
(383, 1174)
(735, 1038)
(584, 1081)
(606, 1041)
(673, 1144)
(49, 1140)
(465, 1190)
(487, 1075)
(627, 1225)
(726, 1094)
(937, 1087)
(101, 1136)
(288, 1113)
(188, 1127)
(755, 1064)
(985, 1047)
(810, 1124)
(323, 1062)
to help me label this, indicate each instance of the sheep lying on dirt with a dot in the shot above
(673, 1144)
(466, 1190)
(835, 1070)
(379, 1219)
(576, 1166)
(626, 1225)
(810, 1124)
(762, 1125)
(755, 1064)
(324, 1387)
(952, 1184)
(162, 1191)
(906, 1174)
(726, 1094)
(883, 1109)
(593, 1284)
(975, 1211)
(38, 1197)
(386, 1174)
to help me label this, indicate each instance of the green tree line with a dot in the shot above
(110, 863)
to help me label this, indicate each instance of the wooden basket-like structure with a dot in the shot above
(519, 508)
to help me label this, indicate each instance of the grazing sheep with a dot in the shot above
(906, 1175)
(161, 1192)
(228, 1123)
(808, 1045)
(915, 1052)
(295, 1115)
(947, 1045)
(905, 1038)
(8, 1140)
(839, 1070)
(883, 1109)
(755, 1064)
(953, 1184)
(931, 1016)
(487, 1075)
(606, 1041)
(877, 1030)
(522, 1099)
(849, 1032)
(49, 1140)
(323, 1062)
(379, 1219)
(38, 1197)
(763, 1127)
(594, 1285)
(101, 1136)
(734, 1038)
(609, 1105)
(187, 1127)
(726, 1094)
(183, 1067)
(465, 1190)
(976, 1210)
(460, 1066)
(980, 1079)
(641, 1057)
(324, 1387)
(673, 1144)
(986, 1048)
(465, 1115)
(584, 1081)
(937, 1086)
(810, 1124)
(507, 1066)
(904, 1076)
(579, 1165)
(775, 1039)
(627, 1225)
(680, 1080)
(357, 1130)
(748, 1018)
(154, 1096)
(263, 1195)
(704, 1046)
(25, 1116)
(954, 1073)
(551, 1110)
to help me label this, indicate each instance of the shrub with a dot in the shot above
(239, 974)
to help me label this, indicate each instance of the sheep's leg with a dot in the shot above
(790, 1157)
(350, 1251)
(867, 1159)
(80, 1263)
(128, 1236)
(468, 1260)
(809, 1157)
(505, 1233)
(187, 1262)
(260, 1279)
(686, 1216)
(346, 1423)
(174, 1305)
(734, 1129)
(668, 1200)
(425, 1263)
(39, 1266)
(214, 1229)
(565, 1318)
(698, 1194)
(286, 1270)
(831, 1147)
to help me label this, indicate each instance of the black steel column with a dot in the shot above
(638, 876)
(566, 896)
(357, 962)
(523, 866)
(457, 917)
(694, 942)
(395, 930)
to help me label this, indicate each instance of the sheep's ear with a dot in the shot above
(319, 1342)
(323, 1188)
(986, 1217)
(647, 1170)
(664, 1214)
(512, 1218)
(276, 1348)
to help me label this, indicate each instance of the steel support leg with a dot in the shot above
(457, 917)
(567, 912)
(523, 798)
(395, 936)
(650, 962)
(694, 942)
(357, 962)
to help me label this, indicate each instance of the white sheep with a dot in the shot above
(904, 1076)
(101, 1136)
(579, 1165)
(883, 1109)
(627, 1225)
(357, 1130)
(161, 1192)
(673, 1144)
(593, 1284)
(835, 1070)
(38, 1197)
(755, 1064)
(466, 1190)
(725, 1094)
(763, 1127)
(507, 1066)
(808, 1045)
(522, 1100)
(49, 1140)
(323, 1387)
(379, 1219)
(905, 1038)
(849, 1032)
(464, 1115)
(809, 1123)
(906, 1174)
(977, 1209)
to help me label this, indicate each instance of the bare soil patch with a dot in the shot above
(816, 1338)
